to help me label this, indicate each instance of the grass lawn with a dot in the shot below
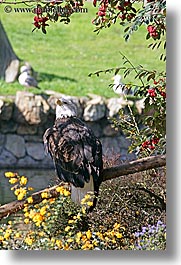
(66, 55)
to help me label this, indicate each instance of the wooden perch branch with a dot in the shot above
(134, 167)
(108, 173)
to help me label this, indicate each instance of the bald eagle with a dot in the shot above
(76, 152)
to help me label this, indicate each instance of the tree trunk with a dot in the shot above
(108, 173)
(9, 62)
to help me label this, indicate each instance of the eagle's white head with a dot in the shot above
(65, 108)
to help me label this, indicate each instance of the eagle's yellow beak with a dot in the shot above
(59, 102)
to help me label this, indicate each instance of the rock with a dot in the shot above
(113, 106)
(96, 127)
(35, 150)
(6, 109)
(33, 138)
(109, 130)
(29, 162)
(124, 142)
(2, 140)
(30, 108)
(27, 129)
(7, 159)
(95, 109)
(16, 145)
(110, 146)
(12, 71)
(8, 126)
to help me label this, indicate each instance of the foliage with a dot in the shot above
(72, 49)
(151, 237)
(148, 130)
(59, 224)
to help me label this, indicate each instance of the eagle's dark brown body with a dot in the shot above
(76, 152)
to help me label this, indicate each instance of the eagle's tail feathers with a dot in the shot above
(77, 194)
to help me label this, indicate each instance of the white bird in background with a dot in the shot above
(26, 79)
(119, 87)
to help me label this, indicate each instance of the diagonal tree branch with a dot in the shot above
(108, 173)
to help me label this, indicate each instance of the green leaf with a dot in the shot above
(148, 36)
(151, 76)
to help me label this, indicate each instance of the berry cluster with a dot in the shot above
(152, 92)
(103, 8)
(158, 89)
(154, 32)
(150, 144)
(127, 11)
(40, 22)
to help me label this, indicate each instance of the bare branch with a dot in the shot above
(108, 173)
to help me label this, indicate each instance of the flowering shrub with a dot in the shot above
(59, 224)
(152, 237)
(55, 224)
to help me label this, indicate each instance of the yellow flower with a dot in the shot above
(88, 234)
(89, 203)
(67, 228)
(30, 188)
(26, 221)
(10, 174)
(66, 247)
(119, 235)
(20, 196)
(43, 210)
(17, 235)
(25, 209)
(44, 195)
(29, 241)
(23, 180)
(66, 193)
(52, 200)
(61, 190)
(83, 210)
(20, 193)
(26, 214)
(1, 238)
(7, 235)
(87, 245)
(41, 233)
(59, 243)
(13, 180)
(38, 218)
(116, 226)
(71, 221)
(32, 213)
(100, 235)
(30, 200)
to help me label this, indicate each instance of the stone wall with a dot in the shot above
(25, 117)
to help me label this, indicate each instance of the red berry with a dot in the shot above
(101, 13)
(152, 92)
(146, 144)
(151, 147)
(94, 2)
(121, 8)
(155, 141)
(163, 94)
(37, 25)
(36, 19)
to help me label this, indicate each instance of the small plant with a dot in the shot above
(151, 237)
(55, 223)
